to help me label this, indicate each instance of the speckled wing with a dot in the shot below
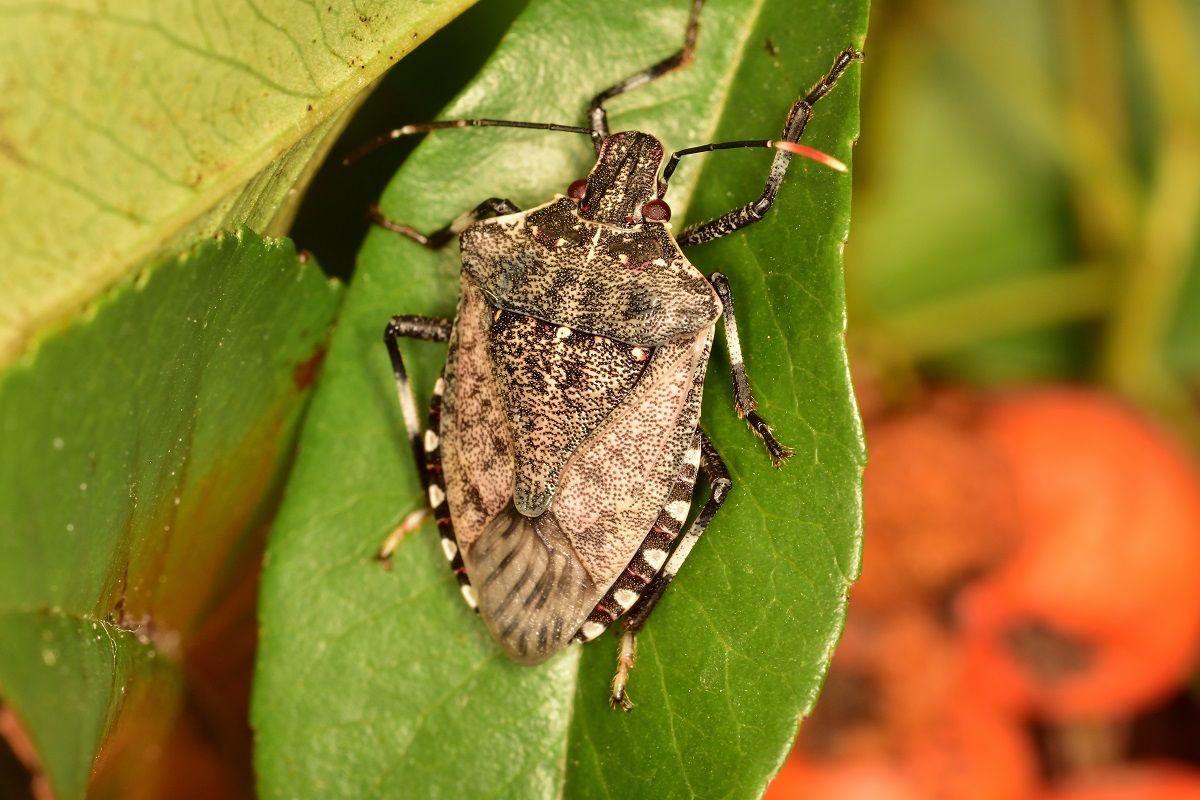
(477, 450)
(573, 392)
(530, 585)
(617, 481)
(537, 578)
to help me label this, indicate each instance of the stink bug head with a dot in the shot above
(623, 179)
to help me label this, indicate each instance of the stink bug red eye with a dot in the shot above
(567, 354)
(656, 211)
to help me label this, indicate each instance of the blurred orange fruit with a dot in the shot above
(938, 505)
(1156, 781)
(1097, 612)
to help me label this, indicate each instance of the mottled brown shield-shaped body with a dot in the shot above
(571, 396)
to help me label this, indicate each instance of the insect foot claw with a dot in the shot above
(779, 453)
(622, 700)
(410, 523)
(625, 658)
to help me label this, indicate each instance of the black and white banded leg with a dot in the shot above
(492, 207)
(797, 120)
(743, 399)
(598, 117)
(427, 329)
(715, 472)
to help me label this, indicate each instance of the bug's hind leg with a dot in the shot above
(427, 329)
(431, 330)
(411, 521)
(492, 207)
(426, 446)
(598, 117)
(743, 399)
(797, 120)
(714, 471)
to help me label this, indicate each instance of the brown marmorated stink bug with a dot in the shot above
(563, 445)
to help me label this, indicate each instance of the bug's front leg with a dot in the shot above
(598, 117)
(743, 398)
(492, 207)
(797, 120)
(427, 329)
(717, 474)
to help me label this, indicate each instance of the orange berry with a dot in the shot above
(938, 506)
(896, 719)
(867, 779)
(1098, 610)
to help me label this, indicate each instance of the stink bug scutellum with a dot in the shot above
(563, 445)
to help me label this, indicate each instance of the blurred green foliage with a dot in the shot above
(1027, 196)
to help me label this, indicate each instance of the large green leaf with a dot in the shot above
(133, 128)
(375, 682)
(142, 456)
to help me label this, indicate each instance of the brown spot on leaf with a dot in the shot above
(304, 373)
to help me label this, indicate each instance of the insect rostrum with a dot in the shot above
(563, 445)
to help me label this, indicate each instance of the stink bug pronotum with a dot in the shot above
(563, 445)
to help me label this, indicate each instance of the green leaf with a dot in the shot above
(66, 676)
(142, 458)
(376, 683)
(135, 128)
